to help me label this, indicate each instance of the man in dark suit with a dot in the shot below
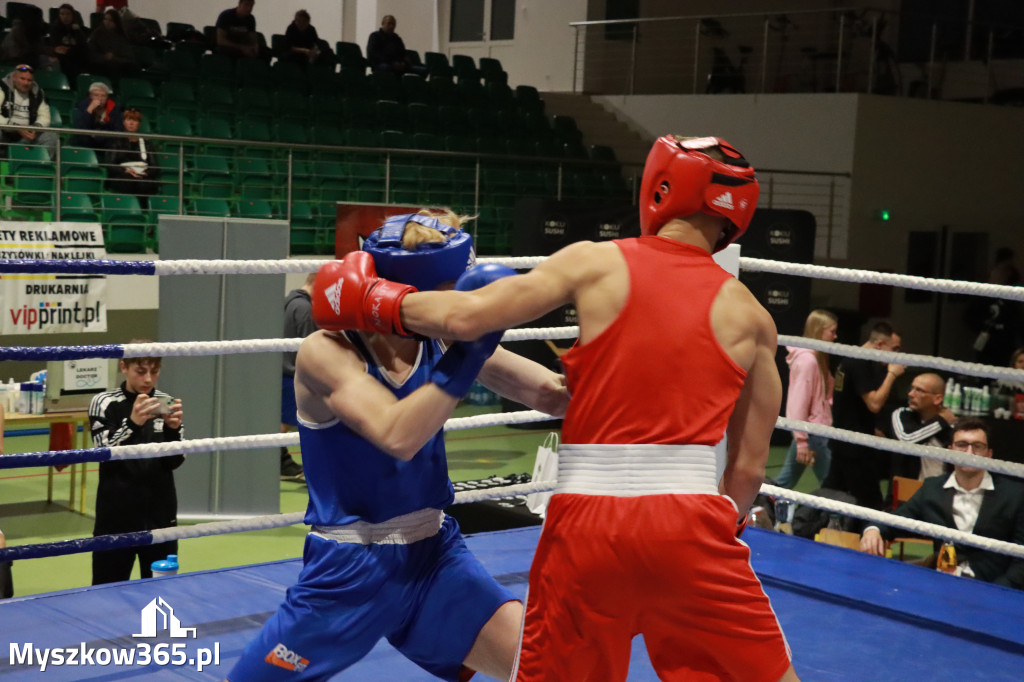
(971, 500)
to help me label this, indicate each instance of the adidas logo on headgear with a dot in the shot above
(333, 294)
(724, 201)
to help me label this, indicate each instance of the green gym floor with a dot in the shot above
(26, 518)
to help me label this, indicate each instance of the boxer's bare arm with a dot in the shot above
(331, 381)
(525, 381)
(511, 301)
(747, 333)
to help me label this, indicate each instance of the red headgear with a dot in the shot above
(680, 179)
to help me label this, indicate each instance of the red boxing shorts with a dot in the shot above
(668, 566)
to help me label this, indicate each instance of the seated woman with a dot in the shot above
(130, 169)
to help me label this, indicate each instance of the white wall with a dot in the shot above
(541, 53)
(783, 132)
(272, 16)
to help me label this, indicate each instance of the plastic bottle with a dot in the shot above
(25, 398)
(168, 566)
(986, 400)
(947, 559)
(957, 399)
(13, 396)
(834, 521)
(947, 397)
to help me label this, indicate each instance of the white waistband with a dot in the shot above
(634, 470)
(401, 530)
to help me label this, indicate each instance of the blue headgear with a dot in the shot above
(431, 264)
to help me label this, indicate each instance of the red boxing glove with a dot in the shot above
(347, 294)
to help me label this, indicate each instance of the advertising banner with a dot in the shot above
(52, 303)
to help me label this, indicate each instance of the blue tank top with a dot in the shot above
(351, 480)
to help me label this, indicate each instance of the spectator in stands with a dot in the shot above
(97, 112)
(809, 399)
(923, 421)
(109, 48)
(971, 500)
(301, 42)
(23, 102)
(385, 50)
(68, 43)
(862, 388)
(20, 45)
(236, 31)
(130, 167)
(135, 494)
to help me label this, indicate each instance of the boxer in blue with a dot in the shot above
(381, 559)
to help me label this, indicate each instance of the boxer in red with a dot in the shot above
(673, 353)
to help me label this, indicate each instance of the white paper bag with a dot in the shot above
(544, 469)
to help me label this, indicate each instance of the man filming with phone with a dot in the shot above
(135, 494)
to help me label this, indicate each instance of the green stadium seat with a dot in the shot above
(252, 100)
(81, 170)
(287, 75)
(180, 64)
(51, 81)
(416, 89)
(213, 176)
(135, 90)
(178, 31)
(252, 72)
(386, 85)
(216, 97)
(350, 55)
(218, 208)
(290, 132)
(217, 68)
(177, 97)
(77, 208)
(254, 209)
(174, 124)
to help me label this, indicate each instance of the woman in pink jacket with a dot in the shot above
(809, 400)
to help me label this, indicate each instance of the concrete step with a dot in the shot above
(599, 126)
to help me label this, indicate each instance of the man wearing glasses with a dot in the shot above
(923, 421)
(23, 103)
(971, 500)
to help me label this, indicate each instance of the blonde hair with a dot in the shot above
(815, 325)
(416, 234)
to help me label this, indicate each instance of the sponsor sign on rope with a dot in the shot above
(37, 303)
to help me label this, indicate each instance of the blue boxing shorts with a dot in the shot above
(430, 599)
(289, 410)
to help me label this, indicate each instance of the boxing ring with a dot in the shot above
(846, 615)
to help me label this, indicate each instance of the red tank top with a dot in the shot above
(657, 374)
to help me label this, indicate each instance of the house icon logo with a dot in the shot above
(158, 615)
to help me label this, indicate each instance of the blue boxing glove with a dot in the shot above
(455, 372)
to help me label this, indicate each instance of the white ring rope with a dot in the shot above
(949, 286)
(277, 440)
(275, 267)
(998, 466)
(207, 348)
(941, 532)
(469, 496)
(911, 359)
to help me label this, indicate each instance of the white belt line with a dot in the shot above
(636, 470)
(401, 530)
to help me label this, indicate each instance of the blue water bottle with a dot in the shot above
(168, 566)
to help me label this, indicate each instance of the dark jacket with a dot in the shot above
(384, 48)
(68, 35)
(135, 494)
(298, 322)
(109, 118)
(124, 150)
(1001, 518)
